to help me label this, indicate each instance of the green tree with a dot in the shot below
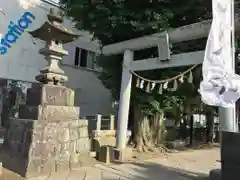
(113, 21)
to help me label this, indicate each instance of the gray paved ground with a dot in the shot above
(179, 166)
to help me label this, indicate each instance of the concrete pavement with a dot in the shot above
(179, 166)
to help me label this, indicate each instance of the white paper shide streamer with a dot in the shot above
(220, 85)
(165, 85)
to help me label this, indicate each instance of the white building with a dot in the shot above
(23, 62)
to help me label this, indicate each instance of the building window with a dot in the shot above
(91, 59)
(83, 58)
(80, 57)
(77, 56)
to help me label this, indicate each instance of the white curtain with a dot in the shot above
(220, 85)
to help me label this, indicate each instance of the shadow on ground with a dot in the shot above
(137, 170)
(151, 171)
(133, 171)
(12, 169)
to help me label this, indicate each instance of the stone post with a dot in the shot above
(125, 94)
(98, 122)
(112, 119)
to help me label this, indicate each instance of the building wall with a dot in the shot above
(90, 93)
(23, 62)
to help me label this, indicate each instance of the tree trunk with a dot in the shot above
(148, 131)
(210, 126)
(191, 131)
(159, 128)
(137, 140)
(183, 129)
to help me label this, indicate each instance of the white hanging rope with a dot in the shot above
(164, 80)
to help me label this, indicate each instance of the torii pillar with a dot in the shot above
(125, 95)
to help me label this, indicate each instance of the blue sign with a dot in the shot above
(15, 31)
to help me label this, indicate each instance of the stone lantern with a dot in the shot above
(55, 36)
(48, 135)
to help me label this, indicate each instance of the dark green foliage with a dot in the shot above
(118, 20)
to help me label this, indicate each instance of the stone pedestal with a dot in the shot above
(106, 154)
(49, 136)
(51, 95)
(230, 156)
(215, 174)
(123, 154)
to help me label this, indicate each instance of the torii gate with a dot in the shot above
(160, 40)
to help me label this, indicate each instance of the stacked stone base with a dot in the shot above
(48, 136)
(46, 147)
